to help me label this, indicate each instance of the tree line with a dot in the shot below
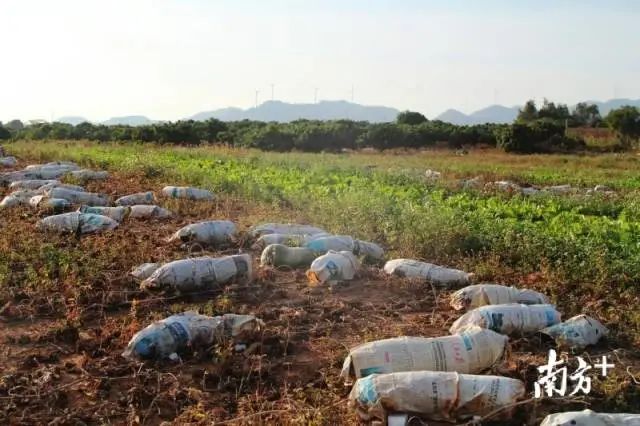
(536, 129)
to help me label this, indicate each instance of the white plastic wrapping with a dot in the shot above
(18, 198)
(472, 351)
(509, 319)
(65, 165)
(144, 271)
(284, 228)
(560, 189)
(432, 174)
(434, 395)
(32, 183)
(86, 174)
(577, 332)
(189, 330)
(9, 177)
(46, 187)
(213, 232)
(505, 185)
(289, 240)
(8, 161)
(138, 198)
(333, 267)
(77, 197)
(322, 244)
(53, 170)
(187, 192)
(591, 418)
(149, 211)
(603, 188)
(473, 183)
(438, 275)
(478, 295)
(200, 273)
(45, 203)
(278, 255)
(530, 191)
(76, 222)
(116, 213)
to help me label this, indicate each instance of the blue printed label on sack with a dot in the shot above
(179, 333)
(493, 320)
(364, 372)
(367, 391)
(467, 342)
(551, 317)
(333, 268)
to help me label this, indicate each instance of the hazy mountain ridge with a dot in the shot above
(129, 120)
(285, 112)
(336, 110)
(502, 114)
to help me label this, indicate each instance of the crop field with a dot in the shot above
(68, 306)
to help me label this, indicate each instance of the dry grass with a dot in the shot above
(69, 308)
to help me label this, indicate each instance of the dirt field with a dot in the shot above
(68, 309)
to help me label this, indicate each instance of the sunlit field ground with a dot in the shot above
(69, 306)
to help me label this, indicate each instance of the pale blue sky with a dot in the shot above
(169, 59)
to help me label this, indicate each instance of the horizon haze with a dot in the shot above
(169, 59)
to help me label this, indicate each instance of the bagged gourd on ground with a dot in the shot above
(115, 213)
(187, 193)
(323, 244)
(17, 198)
(32, 183)
(284, 228)
(149, 211)
(530, 191)
(289, 240)
(509, 319)
(278, 255)
(200, 273)
(77, 223)
(438, 275)
(478, 295)
(8, 161)
(472, 351)
(139, 198)
(505, 185)
(434, 395)
(49, 204)
(577, 332)
(333, 267)
(86, 174)
(50, 171)
(144, 271)
(432, 174)
(591, 418)
(66, 165)
(212, 232)
(560, 189)
(44, 188)
(9, 177)
(77, 197)
(190, 331)
(602, 188)
(473, 183)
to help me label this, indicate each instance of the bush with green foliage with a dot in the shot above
(4, 133)
(625, 121)
(538, 136)
(270, 138)
(411, 118)
(532, 132)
